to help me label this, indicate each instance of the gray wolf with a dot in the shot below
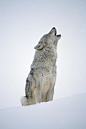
(41, 79)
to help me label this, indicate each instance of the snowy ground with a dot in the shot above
(66, 113)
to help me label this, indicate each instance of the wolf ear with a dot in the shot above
(40, 46)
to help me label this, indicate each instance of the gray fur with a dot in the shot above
(41, 79)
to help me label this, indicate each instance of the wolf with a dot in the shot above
(42, 77)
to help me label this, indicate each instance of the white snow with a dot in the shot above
(66, 113)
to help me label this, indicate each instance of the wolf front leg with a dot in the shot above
(49, 95)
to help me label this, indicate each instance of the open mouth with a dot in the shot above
(54, 30)
(59, 35)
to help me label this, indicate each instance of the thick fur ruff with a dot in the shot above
(41, 79)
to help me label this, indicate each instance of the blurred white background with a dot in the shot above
(22, 24)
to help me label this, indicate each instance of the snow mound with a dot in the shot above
(67, 113)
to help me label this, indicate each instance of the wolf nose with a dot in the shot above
(54, 28)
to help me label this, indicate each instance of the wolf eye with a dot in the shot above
(38, 45)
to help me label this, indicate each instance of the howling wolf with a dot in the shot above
(41, 79)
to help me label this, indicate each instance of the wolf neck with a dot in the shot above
(46, 57)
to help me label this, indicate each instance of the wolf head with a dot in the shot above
(48, 39)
